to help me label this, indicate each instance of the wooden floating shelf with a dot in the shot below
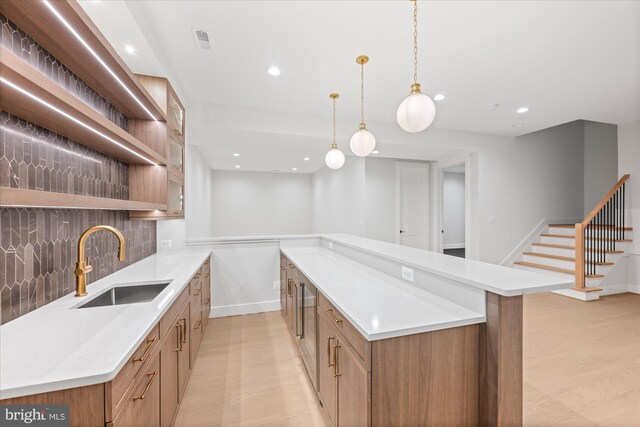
(37, 20)
(23, 75)
(20, 197)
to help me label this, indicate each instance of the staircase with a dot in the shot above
(586, 251)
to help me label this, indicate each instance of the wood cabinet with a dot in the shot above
(169, 378)
(143, 404)
(206, 294)
(284, 286)
(184, 359)
(422, 379)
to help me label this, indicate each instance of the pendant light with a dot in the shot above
(362, 142)
(417, 111)
(334, 158)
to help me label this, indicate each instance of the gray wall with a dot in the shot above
(600, 161)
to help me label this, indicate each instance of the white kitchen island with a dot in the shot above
(412, 337)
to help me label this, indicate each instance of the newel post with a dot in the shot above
(579, 255)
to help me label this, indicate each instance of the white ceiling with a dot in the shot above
(565, 60)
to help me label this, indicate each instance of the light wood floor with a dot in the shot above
(248, 373)
(581, 368)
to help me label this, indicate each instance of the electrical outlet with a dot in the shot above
(330, 246)
(276, 285)
(407, 273)
(492, 219)
(166, 243)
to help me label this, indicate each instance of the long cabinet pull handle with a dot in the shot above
(179, 346)
(335, 361)
(153, 376)
(150, 342)
(184, 331)
(329, 364)
(333, 316)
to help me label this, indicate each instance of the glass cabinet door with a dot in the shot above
(175, 202)
(175, 113)
(176, 156)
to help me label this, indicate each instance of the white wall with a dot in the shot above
(338, 198)
(600, 162)
(629, 162)
(260, 203)
(453, 220)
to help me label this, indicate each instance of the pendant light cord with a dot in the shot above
(362, 93)
(415, 41)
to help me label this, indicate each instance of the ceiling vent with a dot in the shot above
(202, 39)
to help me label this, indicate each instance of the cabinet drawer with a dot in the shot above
(196, 291)
(359, 344)
(142, 404)
(120, 384)
(168, 320)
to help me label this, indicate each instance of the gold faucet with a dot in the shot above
(82, 267)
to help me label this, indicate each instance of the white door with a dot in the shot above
(412, 204)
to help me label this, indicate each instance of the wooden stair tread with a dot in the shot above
(556, 269)
(563, 236)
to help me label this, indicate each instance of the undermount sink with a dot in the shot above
(130, 294)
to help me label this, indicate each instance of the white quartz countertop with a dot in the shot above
(494, 278)
(378, 305)
(57, 346)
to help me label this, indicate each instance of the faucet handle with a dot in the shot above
(88, 267)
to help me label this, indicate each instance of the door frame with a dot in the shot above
(427, 189)
(470, 162)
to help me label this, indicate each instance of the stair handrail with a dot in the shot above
(605, 199)
(606, 202)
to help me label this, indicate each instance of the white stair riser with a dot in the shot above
(552, 251)
(572, 232)
(552, 262)
(571, 242)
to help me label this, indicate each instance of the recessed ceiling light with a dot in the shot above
(522, 110)
(306, 159)
(493, 106)
(130, 49)
(294, 169)
(236, 154)
(517, 125)
(237, 166)
(439, 97)
(273, 70)
(375, 152)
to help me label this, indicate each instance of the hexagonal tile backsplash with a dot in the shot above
(38, 247)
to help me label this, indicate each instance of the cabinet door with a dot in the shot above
(196, 334)
(283, 290)
(143, 405)
(206, 294)
(327, 384)
(169, 375)
(291, 309)
(353, 387)
(183, 353)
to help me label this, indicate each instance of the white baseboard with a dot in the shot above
(238, 309)
(615, 289)
(454, 246)
(582, 296)
(634, 289)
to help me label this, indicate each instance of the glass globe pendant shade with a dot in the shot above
(362, 142)
(334, 158)
(416, 112)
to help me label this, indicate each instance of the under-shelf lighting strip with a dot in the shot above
(97, 57)
(70, 117)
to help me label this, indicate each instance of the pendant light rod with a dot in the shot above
(415, 43)
(334, 96)
(362, 59)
